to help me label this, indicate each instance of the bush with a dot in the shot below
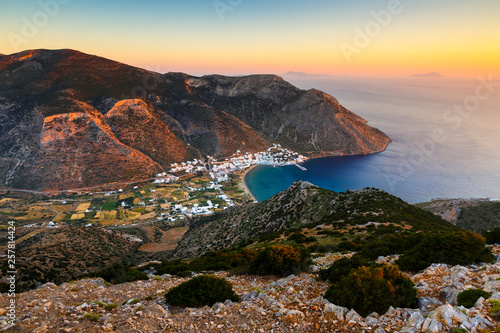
(280, 260)
(369, 289)
(457, 248)
(492, 236)
(494, 308)
(341, 268)
(469, 297)
(176, 267)
(92, 316)
(118, 273)
(200, 291)
(211, 261)
(110, 306)
(459, 330)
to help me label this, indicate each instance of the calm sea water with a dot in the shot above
(446, 141)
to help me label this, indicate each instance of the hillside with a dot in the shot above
(269, 304)
(469, 214)
(304, 205)
(66, 117)
(64, 254)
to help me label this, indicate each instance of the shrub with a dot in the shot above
(492, 236)
(459, 330)
(118, 273)
(457, 248)
(175, 267)
(495, 308)
(110, 306)
(469, 297)
(91, 316)
(369, 289)
(211, 261)
(4, 287)
(200, 291)
(342, 267)
(280, 260)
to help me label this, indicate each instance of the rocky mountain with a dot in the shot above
(69, 119)
(304, 205)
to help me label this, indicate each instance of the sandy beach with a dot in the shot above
(244, 185)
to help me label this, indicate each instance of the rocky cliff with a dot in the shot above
(66, 117)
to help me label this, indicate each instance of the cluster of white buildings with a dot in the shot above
(275, 156)
(164, 178)
(218, 170)
(189, 166)
(196, 209)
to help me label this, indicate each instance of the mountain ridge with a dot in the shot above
(181, 116)
(303, 205)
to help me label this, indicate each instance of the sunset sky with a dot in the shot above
(458, 38)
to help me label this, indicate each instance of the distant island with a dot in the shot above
(296, 73)
(435, 75)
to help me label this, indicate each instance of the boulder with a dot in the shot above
(339, 311)
(479, 303)
(371, 321)
(449, 293)
(249, 296)
(353, 316)
(448, 315)
(491, 286)
(426, 304)
(415, 321)
(431, 325)
(495, 295)
(480, 323)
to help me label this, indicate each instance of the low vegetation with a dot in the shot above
(118, 273)
(342, 267)
(492, 236)
(456, 248)
(278, 260)
(200, 291)
(485, 215)
(469, 297)
(373, 289)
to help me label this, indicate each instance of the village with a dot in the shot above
(187, 189)
(219, 170)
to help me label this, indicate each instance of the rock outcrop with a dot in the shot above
(291, 304)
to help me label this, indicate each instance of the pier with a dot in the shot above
(300, 167)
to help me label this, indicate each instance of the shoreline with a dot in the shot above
(244, 184)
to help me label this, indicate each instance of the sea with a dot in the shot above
(445, 132)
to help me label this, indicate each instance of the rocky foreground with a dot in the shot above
(268, 304)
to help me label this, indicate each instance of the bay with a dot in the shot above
(446, 141)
